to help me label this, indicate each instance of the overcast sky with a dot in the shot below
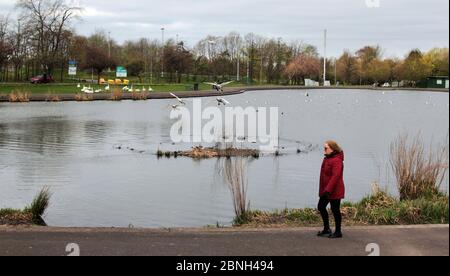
(396, 25)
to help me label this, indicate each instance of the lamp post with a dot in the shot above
(109, 50)
(211, 42)
(162, 52)
(248, 68)
(238, 74)
(325, 58)
(238, 69)
(335, 72)
(151, 69)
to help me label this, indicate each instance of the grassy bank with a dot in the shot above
(71, 88)
(378, 209)
(31, 215)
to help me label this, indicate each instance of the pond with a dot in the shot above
(99, 158)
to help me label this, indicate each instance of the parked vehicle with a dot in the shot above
(41, 79)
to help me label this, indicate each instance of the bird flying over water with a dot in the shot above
(175, 106)
(178, 99)
(219, 86)
(221, 101)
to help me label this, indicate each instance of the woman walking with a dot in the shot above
(332, 188)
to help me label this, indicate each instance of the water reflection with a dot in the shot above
(234, 172)
(43, 135)
(52, 135)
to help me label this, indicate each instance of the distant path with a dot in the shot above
(196, 94)
(407, 240)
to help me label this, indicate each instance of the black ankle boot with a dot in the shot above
(325, 233)
(336, 235)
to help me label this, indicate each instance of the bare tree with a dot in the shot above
(300, 48)
(5, 46)
(20, 49)
(49, 20)
(232, 44)
(4, 25)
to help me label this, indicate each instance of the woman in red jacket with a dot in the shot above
(332, 189)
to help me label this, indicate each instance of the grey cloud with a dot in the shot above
(398, 25)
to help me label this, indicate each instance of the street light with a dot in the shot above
(211, 42)
(109, 44)
(238, 73)
(162, 52)
(325, 58)
(109, 50)
(335, 72)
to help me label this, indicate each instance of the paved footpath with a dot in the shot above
(406, 240)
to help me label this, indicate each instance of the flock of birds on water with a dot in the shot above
(216, 86)
(131, 89)
(219, 87)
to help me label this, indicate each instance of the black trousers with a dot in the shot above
(335, 208)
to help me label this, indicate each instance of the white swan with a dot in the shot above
(87, 90)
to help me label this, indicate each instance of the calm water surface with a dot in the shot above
(73, 148)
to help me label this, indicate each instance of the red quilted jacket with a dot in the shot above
(332, 176)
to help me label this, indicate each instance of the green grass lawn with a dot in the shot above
(58, 88)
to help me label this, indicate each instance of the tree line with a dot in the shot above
(42, 41)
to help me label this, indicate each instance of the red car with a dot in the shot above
(41, 79)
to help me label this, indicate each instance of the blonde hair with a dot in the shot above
(334, 146)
